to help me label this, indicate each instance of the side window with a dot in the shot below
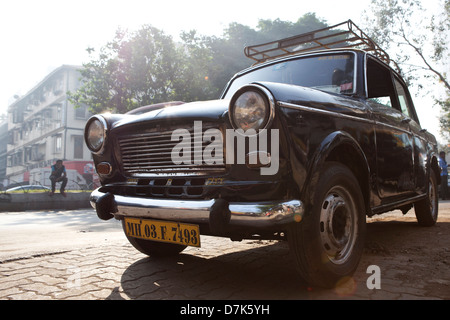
(403, 98)
(380, 88)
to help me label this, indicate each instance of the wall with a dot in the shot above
(42, 201)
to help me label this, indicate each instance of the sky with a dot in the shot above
(38, 36)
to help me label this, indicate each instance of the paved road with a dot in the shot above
(72, 255)
(24, 234)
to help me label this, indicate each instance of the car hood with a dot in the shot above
(217, 110)
(211, 110)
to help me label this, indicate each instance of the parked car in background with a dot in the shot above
(28, 188)
(302, 146)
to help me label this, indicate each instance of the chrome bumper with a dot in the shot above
(259, 215)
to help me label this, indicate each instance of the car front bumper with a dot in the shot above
(213, 212)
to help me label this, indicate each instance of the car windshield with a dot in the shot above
(332, 73)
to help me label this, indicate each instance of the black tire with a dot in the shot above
(154, 248)
(427, 210)
(328, 243)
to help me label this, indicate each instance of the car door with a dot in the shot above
(394, 140)
(420, 144)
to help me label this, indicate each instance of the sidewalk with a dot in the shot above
(232, 271)
(401, 261)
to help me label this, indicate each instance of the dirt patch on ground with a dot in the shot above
(410, 255)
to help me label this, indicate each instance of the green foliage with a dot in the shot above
(146, 66)
(444, 119)
(228, 51)
(132, 70)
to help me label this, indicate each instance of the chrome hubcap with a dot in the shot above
(338, 224)
(432, 198)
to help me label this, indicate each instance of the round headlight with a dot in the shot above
(95, 134)
(251, 108)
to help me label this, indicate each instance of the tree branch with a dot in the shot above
(419, 52)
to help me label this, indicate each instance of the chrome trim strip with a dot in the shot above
(321, 111)
(395, 205)
(263, 214)
(339, 115)
(393, 127)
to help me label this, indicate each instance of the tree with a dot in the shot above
(197, 69)
(276, 29)
(419, 42)
(133, 70)
(228, 51)
(146, 66)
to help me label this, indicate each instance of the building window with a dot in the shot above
(58, 144)
(78, 147)
(80, 112)
(59, 113)
(27, 154)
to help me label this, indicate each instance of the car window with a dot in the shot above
(380, 88)
(402, 98)
(332, 73)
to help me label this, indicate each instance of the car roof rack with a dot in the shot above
(342, 35)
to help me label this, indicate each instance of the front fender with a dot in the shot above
(341, 147)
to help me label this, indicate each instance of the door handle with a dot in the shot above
(406, 120)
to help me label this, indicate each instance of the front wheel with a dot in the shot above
(426, 210)
(327, 244)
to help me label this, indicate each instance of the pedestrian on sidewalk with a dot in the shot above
(58, 175)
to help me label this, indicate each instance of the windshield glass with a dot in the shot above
(332, 73)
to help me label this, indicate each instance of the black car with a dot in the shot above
(318, 134)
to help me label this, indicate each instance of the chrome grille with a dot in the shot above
(150, 153)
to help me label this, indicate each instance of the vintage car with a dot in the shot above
(318, 134)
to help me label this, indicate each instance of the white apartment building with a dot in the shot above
(44, 126)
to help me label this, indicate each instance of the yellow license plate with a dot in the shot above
(164, 231)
